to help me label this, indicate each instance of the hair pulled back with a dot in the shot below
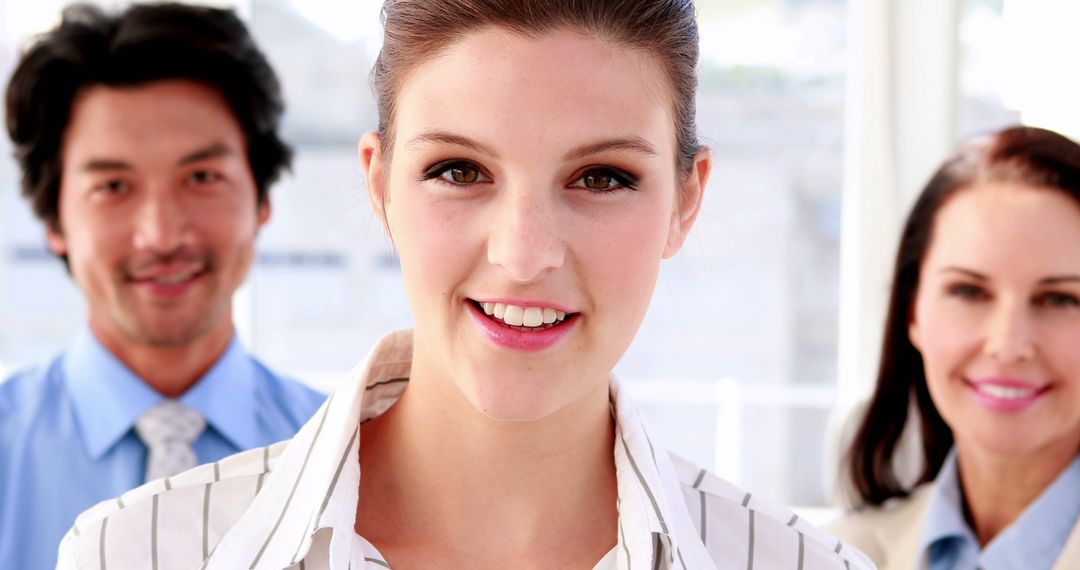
(416, 30)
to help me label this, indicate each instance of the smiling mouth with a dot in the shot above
(521, 318)
(1007, 393)
(175, 278)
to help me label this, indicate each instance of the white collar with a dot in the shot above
(315, 481)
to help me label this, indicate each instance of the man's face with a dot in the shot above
(158, 211)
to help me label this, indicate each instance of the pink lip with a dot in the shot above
(531, 341)
(1006, 405)
(524, 303)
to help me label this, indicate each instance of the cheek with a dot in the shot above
(947, 337)
(434, 241)
(226, 225)
(1058, 347)
(622, 254)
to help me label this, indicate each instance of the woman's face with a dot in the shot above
(997, 320)
(531, 178)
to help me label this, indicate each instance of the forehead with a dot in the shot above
(1009, 229)
(562, 85)
(158, 118)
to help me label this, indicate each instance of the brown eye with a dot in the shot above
(597, 181)
(604, 180)
(456, 172)
(464, 174)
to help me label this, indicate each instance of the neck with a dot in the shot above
(524, 490)
(998, 488)
(169, 369)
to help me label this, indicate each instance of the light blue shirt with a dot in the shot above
(1033, 541)
(67, 440)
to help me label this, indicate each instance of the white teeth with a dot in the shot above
(173, 279)
(533, 317)
(549, 316)
(519, 316)
(1004, 392)
(514, 316)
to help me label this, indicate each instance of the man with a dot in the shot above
(147, 142)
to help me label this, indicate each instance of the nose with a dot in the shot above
(525, 236)
(160, 221)
(1010, 335)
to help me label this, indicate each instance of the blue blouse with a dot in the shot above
(1034, 540)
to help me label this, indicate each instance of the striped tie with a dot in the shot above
(168, 429)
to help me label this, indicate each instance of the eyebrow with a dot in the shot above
(1058, 279)
(970, 273)
(1052, 280)
(445, 137)
(212, 151)
(632, 143)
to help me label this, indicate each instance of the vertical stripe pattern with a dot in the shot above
(296, 483)
(802, 550)
(153, 535)
(660, 498)
(101, 545)
(750, 541)
(206, 523)
(644, 485)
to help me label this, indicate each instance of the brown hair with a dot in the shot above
(415, 30)
(1019, 155)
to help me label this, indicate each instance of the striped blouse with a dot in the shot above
(293, 504)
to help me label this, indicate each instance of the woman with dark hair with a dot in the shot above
(982, 340)
(535, 161)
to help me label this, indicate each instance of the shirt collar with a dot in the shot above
(1036, 538)
(225, 396)
(945, 523)
(318, 471)
(645, 521)
(109, 398)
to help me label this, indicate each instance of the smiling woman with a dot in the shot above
(535, 163)
(983, 327)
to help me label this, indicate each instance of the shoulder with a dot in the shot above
(174, 522)
(23, 393)
(295, 399)
(729, 519)
(863, 527)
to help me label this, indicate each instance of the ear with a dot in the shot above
(263, 212)
(371, 159)
(55, 240)
(913, 332)
(691, 193)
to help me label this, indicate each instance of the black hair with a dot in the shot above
(142, 44)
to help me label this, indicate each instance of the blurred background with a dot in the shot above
(825, 117)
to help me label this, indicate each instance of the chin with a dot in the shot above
(517, 399)
(1006, 442)
(168, 334)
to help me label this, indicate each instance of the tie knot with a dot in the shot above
(169, 422)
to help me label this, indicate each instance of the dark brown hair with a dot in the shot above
(415, 30)
(1019, 155)
(145, 43)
